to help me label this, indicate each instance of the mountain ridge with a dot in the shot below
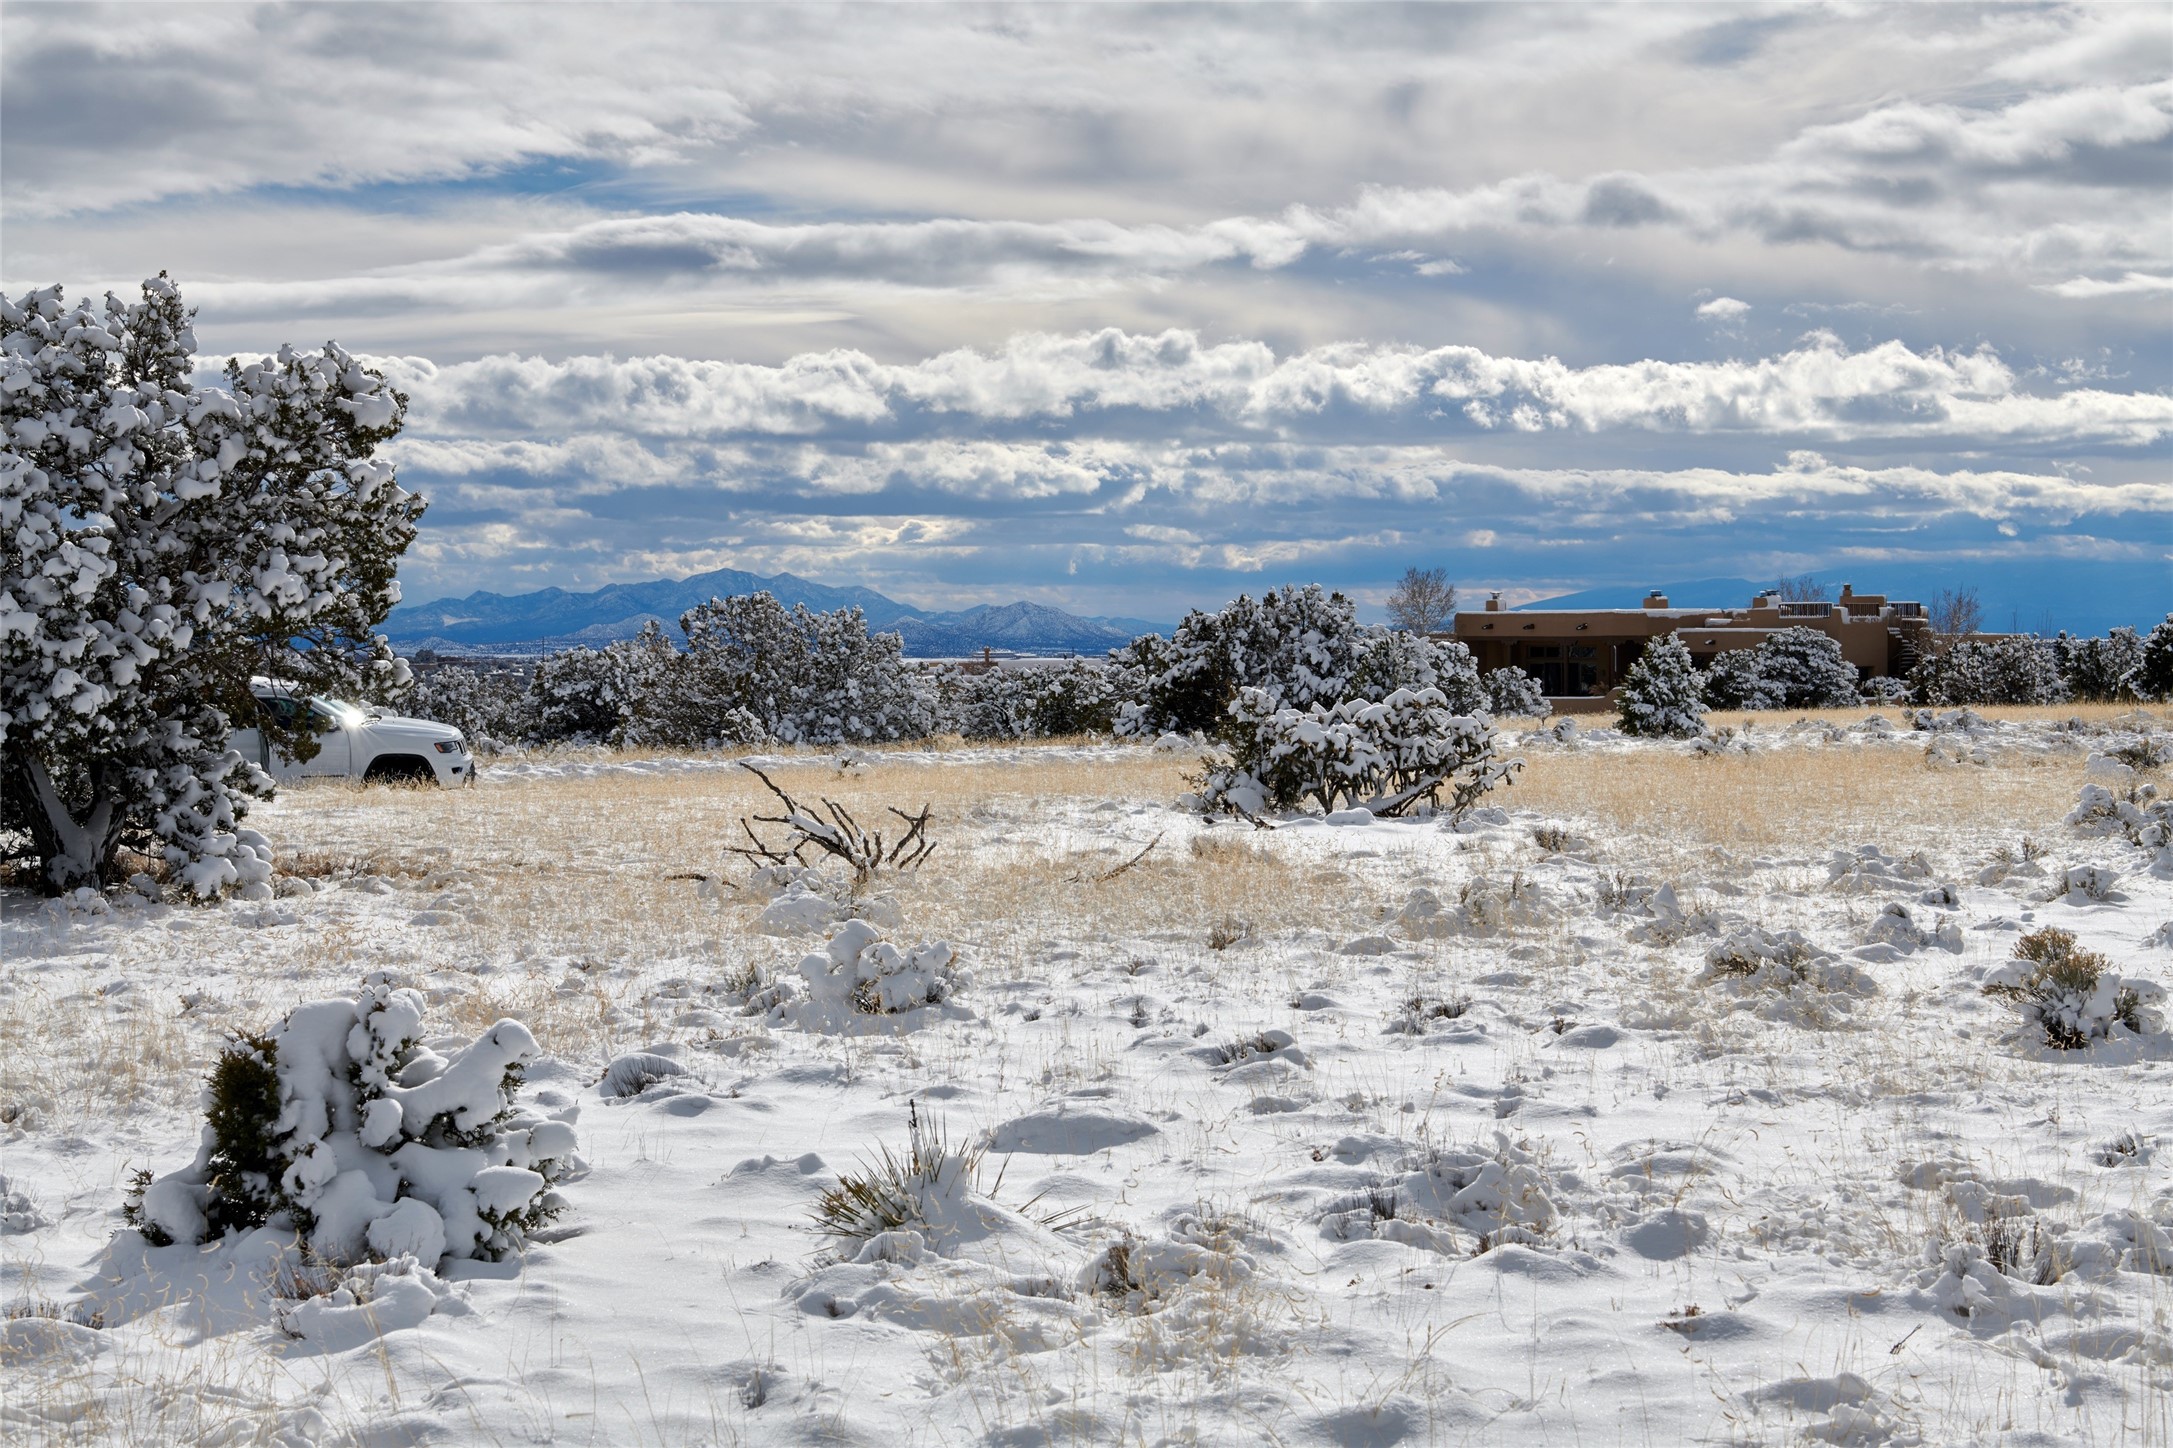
(554, 618)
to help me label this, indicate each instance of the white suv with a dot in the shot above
(358, 743)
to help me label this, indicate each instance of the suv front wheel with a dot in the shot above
(399, 769)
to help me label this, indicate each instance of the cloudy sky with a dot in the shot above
(1128, 310)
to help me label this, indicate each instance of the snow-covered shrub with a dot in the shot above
(1299, 646)
(859, 979)
(2072, 993)
(1498, 1193)
(1806, 670)
(2012, 669)
(340, 1307)
(1896, 926)
(1662, 696)
(2097, 669)
(1381, 757)
(1512, 694)
(805, 677)
(1869, 868)
(341, 1125)
(637, 1071)
(896, 1207)
(166, 542)
(1209, 1250)
(1885, 690)
(2136, 812)
(1795, 668)
(1779, 975)
(1734, 681)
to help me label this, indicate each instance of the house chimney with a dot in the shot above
(1493, 603)
(1847, 591)
(1656, 599)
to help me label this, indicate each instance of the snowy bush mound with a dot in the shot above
(1381, 757)
(2137, 813)
(2073, 995)
(340, 1125)
(1779, 975)
(860, 982)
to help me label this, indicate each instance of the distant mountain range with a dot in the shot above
(553, 618)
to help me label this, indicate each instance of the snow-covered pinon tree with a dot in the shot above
(1300, 646)
(1661, 693)
(2013, 669)
(2097, 669)
(2152, 677)
(1804, 669)
(1796, 668)
(806, 677)
(164, 543)
(1511, 693)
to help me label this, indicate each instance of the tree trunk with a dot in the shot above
(73, 854)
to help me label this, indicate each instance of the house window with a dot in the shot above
(1564, 671)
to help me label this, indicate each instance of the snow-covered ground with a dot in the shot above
(1535, 1127)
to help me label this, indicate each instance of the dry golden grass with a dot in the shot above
(1798, 799)
(1812, 798)
(552, 897)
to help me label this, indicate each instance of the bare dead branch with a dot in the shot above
(840, 836)
(1108, 875)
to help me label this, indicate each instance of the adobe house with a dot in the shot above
(1580, 654)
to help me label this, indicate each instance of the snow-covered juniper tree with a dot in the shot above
(488, 704)
(1796, 668)
(1511, 693)
(1661, 693)
(2097, 669)
(2012, 669)
(1299, 645)
(1734, 680)
(1804, 669)
(2152, 677)
(1075, 697)
(1392, 659)
(806, 677)
(1383, 756)
(163, 542)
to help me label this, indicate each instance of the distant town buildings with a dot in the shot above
(1579, 655)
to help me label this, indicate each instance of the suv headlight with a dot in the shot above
(449, 746)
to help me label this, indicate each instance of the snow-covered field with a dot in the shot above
(1536, 1127)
